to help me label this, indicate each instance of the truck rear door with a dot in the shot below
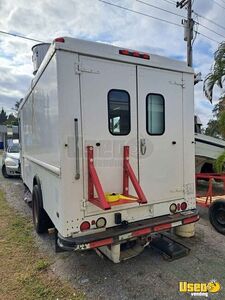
(160, 134)
(109, 121)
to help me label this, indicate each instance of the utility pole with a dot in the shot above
(189, 33)
(188, 28)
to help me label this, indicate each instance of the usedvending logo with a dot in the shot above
(199, 288)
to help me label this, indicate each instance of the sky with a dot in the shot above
(93, 20)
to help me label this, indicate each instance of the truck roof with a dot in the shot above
(107, 51)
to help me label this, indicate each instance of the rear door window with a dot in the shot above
(119, 112)
(155, 114)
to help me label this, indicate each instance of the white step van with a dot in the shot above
(107, 140)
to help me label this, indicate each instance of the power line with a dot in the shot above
(170, 2)
(140, 13)
(20, 36)
(146, 15)
(218, 4)
(157, 7)
(170, 12)
(211, 21)
(207, 37)
(195, 32)
(223, 36)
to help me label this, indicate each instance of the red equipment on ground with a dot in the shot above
(211, 195)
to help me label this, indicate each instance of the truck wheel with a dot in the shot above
(4, 173)
(217, 215)
(40, 218)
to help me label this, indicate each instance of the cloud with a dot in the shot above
(96, 21)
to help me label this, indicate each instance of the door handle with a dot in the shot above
(143, 146)
(77, 175)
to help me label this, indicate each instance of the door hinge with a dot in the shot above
(177, 83)
(79, 68)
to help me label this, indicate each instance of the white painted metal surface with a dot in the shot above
(109, 155)
(207, 149)
(39, 52)
(161, 167)
(207, 146)
(73, 82)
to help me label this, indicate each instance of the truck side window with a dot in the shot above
(119, 112)
(155, 114)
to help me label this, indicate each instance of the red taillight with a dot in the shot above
(124, 52)
(85, 226)
(59, 40)
(145, 56)
(183, 206)
(134, 54)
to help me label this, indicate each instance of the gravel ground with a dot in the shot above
(148, 276)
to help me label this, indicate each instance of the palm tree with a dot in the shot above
(217, 74)
(217, 77)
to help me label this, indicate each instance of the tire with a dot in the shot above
(4, 173)
(207, 168)
(217, 215)
(40, 218)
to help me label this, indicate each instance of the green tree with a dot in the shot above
(11, 120)
(216, 126)
(212, 128)
(3, 117)
(17, 105)
(217, 74)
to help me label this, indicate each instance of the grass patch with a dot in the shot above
(42, 265)
(25, 273)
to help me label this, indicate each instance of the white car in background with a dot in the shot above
(11, 161)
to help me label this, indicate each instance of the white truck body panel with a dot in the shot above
(162, 156)
(73, 82)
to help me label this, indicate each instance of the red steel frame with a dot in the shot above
(129, 173)
(94, 182)
(209, 193)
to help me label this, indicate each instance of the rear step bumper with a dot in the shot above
(117, 234)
